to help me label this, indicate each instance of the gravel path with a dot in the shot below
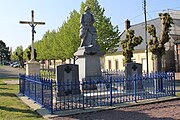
(159, 111)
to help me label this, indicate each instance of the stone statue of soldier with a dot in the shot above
(87, 30)
(89, 52)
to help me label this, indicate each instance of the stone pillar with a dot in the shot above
(89, 62)
(32, 68)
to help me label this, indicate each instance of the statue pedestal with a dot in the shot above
(32, 68)
(89, 62)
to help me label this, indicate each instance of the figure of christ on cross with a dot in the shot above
(32, 24)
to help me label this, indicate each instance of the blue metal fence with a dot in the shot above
(105, 91)
(38, 89)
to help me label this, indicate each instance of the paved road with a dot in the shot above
(10, 72)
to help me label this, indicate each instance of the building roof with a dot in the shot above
(139, 30)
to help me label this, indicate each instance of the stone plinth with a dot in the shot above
(32, 68)
(89, 62)
(132, 69)
(67, 79)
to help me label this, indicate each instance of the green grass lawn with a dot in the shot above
(11, 107)
(178, 94)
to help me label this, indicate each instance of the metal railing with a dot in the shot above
(38, 89)
(104, 91)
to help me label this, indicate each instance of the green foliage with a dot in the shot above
(25, 53)
(68, 36)
(60, 44)
(64, 42)
(107, 34)
(128, 45)
(47, 45)
(156, 45)
(4, 52)
(18, 51)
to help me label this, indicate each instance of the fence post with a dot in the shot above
(35, 88)
(23, 83)
(110, 91)
(174, 80)
(20, 85)
(135, 78)
(29, 85)
(42, 92)
(51, 88)
(82, 92)
(156, 82)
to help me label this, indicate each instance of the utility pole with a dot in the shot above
(145, 21)
(32, 24)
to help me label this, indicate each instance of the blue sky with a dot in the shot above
(54, 12)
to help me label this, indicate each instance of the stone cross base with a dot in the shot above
(32, 68)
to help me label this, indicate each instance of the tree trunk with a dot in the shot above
(158, 68)
(54, 66)
(74, 59)
(48, 65)
(22, 63)
(43, 64)
(157, 63)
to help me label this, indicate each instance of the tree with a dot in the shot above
(18, 55)
(128, 45)
(63, 43)
(68, 36)
(107, 34)
(4, 52)
(45, 47)
(156, 45)
(28, 53)
(38, 45)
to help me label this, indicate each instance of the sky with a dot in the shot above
(55, 12)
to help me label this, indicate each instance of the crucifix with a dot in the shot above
(32, 24)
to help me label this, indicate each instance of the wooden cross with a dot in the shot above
(32, 24)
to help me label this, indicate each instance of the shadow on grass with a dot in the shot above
(10, 109)
(7, 94)
(5, 89)
(3, 84)
(9, 78)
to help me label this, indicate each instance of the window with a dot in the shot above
(109, 64)
(134, 60)
(69, 61)
(123, 62)
(144, 65)
(116, 65)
